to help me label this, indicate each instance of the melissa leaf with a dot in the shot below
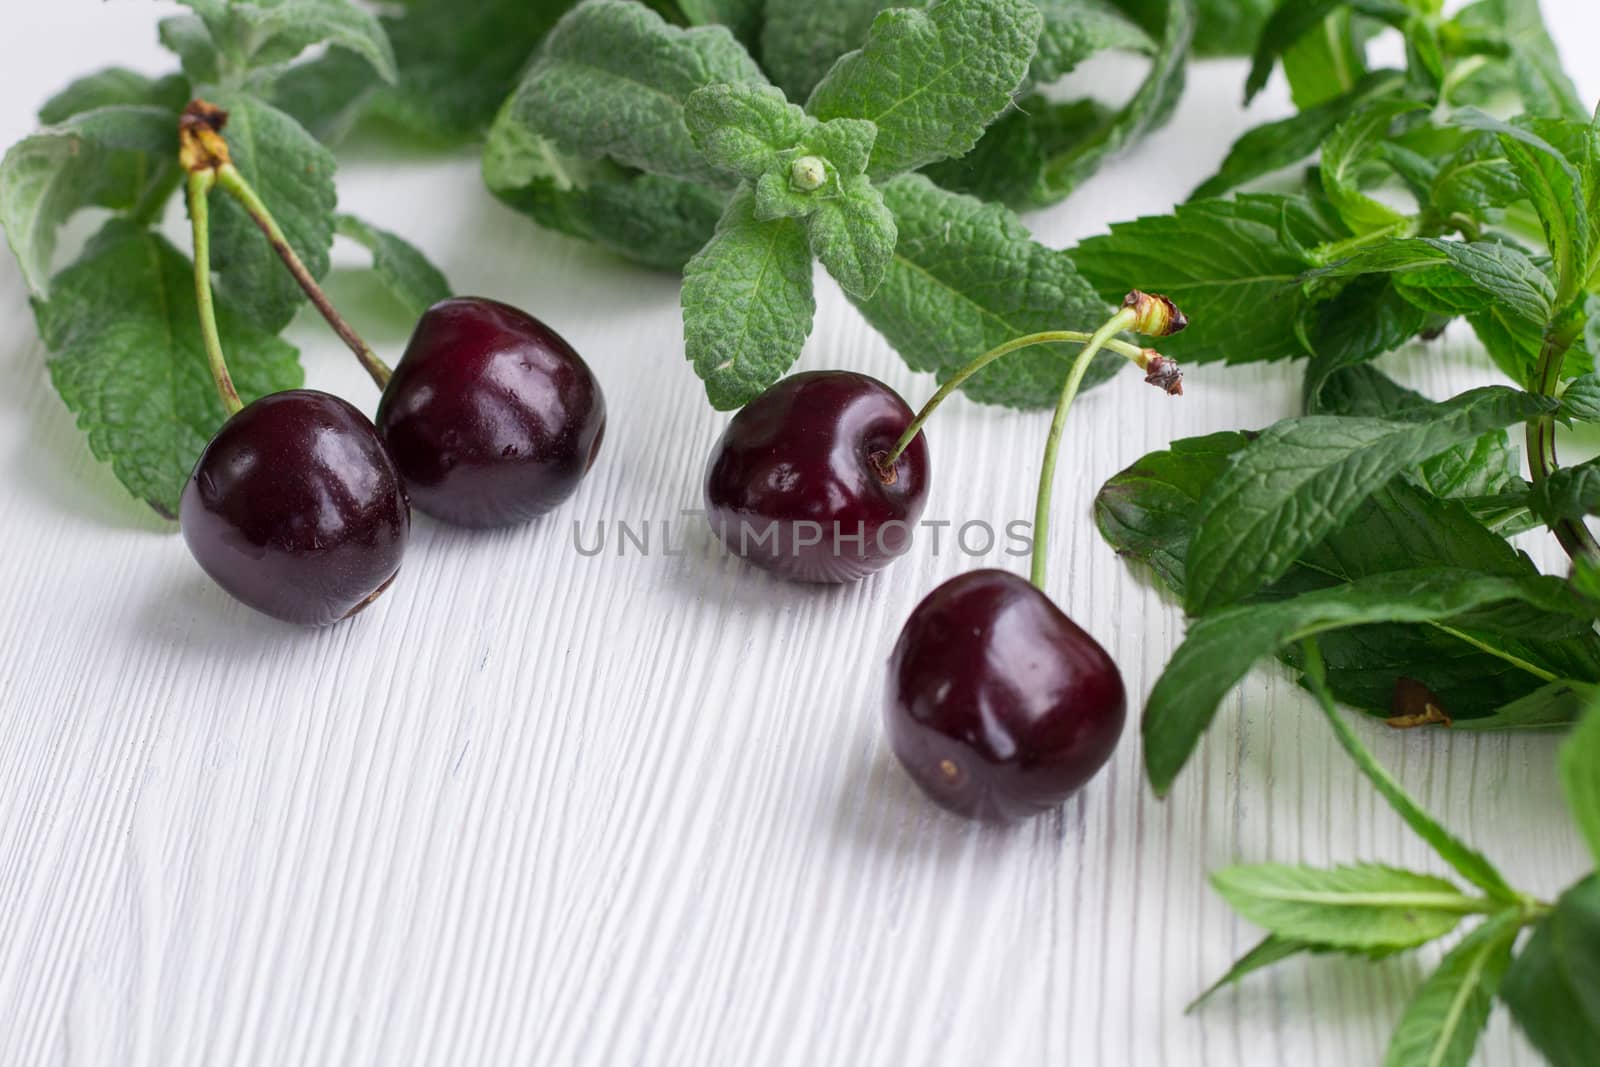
(127, 357)
(1580, 776)
(965, 277)
(932, 80)
(747, 304)
(1552, 987)
(255, 36)
(742, 17)
(611, 81)
(659, 222)
(802, 39)
(1231, 265)
(1446, 1015)
(743, 129)
(1221, 647)
(853, 234)
(1360, 907)
(115, 87)
(416, 283)
(327, 95)
(293, 173)
(1303, 477)
(1074, 30)
(119, 157)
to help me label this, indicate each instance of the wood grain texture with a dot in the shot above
(538, 808)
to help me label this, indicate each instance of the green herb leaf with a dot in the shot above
(931, 80)
(1535, 62)
(1471, 864)
(1580, 776)
(1223, 645)
(853, 235)
(742, 17)
(293, 174)
(327, 95)
(115, 87)
(1346, 155)
(659, 222)
(1074, 30)
(965, 277)
(1366, 320)
(1268, 951)
(1292, 20)
(1581, 400)
(1275, 146)
(122, 158)
(1303, 477)
(459, 62)
(1441, 1025)
(1553, 988)
(1567, 493)
(801, 39)
(252, 36)
(1230, 264)
(612, 79)
(416, 283)
(1328, 61)
(1456, 277)
(1359, 907)
(1551, 707)
(744, 128)
(747, 304)
(128, 359)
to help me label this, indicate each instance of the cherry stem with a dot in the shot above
(1122, 320)
(199, 191)
(1132, 352)
(234, 183)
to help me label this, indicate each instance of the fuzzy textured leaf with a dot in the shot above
(853, 235)
(115, 87)
(250, 36)
(416, 283)
(931, 80)
(747, 304)
(127, 357)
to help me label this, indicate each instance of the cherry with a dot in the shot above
(798, 484)
(491, 416)
(999, 705)
(296, 509)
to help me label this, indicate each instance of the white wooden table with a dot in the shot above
(536, 808)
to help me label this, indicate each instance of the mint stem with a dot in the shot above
(199, 191)
(1122, 320)
(1133, 353)
(1573, 534)
(234, 183)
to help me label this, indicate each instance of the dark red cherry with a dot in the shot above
(796, 484)
(296, 509)
(491, 416)
(999, 705)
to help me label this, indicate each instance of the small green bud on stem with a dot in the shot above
(808, 173)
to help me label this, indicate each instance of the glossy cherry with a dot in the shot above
(296, 509)
(491, 416)
(797, 483)
(998, 705)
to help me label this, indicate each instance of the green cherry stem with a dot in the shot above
(235, 185)
(1122, 320)
(199, 190)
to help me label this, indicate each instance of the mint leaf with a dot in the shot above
(1475, 180)
(115, 87)
(1231, 265)
(1581, 400)
(1580, 776)
(1292, 20)
(1303, 477)
(744, 128)
(1441, 1025)
(128, 360)
(293, 174)
(1471, 864)
(1275, 146)
(1567, 493)
(747, 304)
(1327, 61)
(853, 235)
(1359, 907)
(1223, 645)
(416, 283)
(1366, 320)
(188, 37)
(327, 95)
(459, 62)
(122, 158)
(1074, 30)
(801, 39)
(255, 36)
(659, 222)
(611, 81)
(1455, 277)
(1268, 951)
(1534, 60)
(931, 80)
(1552, 987)
(1347, 153)
(1555, 706)
(742, 17)
(965, 277)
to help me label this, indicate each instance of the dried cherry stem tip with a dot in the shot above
(202, 149)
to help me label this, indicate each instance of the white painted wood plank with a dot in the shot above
(540, 808)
